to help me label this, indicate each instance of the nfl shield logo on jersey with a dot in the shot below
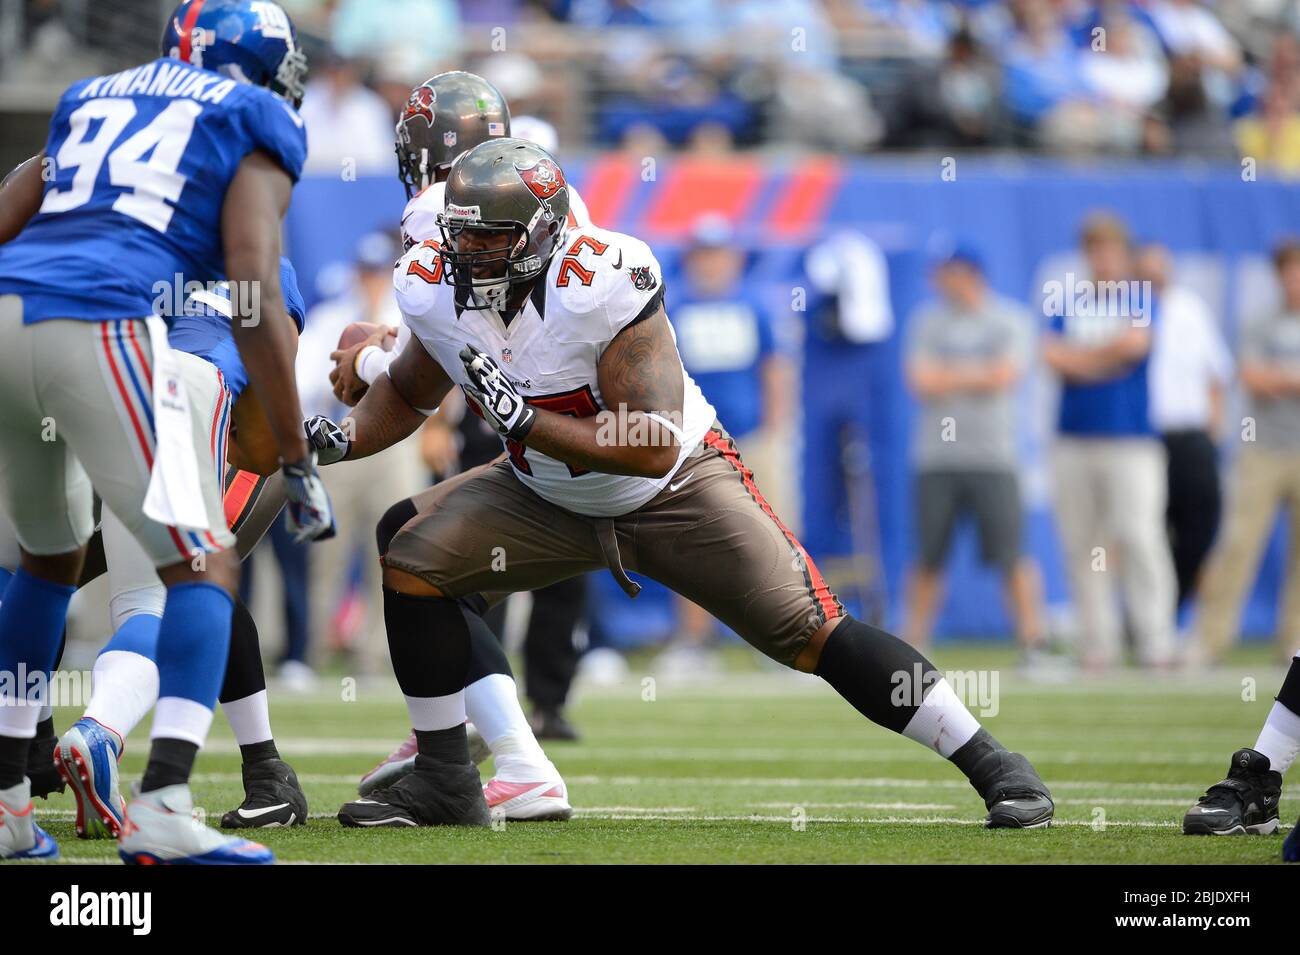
(507, 355)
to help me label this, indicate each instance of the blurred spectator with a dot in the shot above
(1040, 71)
(737, 354)
(378, 28)
(1189, 28)
(1271, 137)
(344, 573)
(965, 355)
(1265, 476)
(1190, 371)
(926, 25)
(1109, 470)
(349, 126)
(1127, 76)
(1196, 127)
(968, 93)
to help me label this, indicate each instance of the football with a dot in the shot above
(358, 332)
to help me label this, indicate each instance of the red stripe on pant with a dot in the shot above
(830, 606)
(135, 420)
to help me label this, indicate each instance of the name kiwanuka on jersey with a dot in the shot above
(141, 162)
(162, 78)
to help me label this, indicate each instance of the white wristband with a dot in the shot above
(371, 362)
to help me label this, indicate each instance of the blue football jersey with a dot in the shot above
(141, 161)
(203, 329)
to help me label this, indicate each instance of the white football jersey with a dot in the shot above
(598, 284)
(420, 217)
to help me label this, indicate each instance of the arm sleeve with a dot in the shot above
(293, 300)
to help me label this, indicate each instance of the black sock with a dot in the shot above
(1289, 695)
(13, 761)
(244, 673)
(444, 746)
(45, 729)
(429, 642)
(876, 672)
(256, 752)
(486, 654)
(170, 762)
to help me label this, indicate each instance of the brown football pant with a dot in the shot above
(709, 536)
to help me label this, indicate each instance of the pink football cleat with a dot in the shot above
(539, 801)
(402, 761)
(393, 767)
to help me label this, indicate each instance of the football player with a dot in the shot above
(1246, 801)
(175, 171)
(444, 116)
(125, 684)
(614, 459)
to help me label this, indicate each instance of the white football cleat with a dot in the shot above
(160, 828)
(545, 800)
(20, 837)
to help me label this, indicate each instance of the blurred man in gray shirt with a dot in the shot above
(965, 355)
(1266, 474)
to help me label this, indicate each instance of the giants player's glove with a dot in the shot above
(496, 397)
(308, 514)
(327, 439)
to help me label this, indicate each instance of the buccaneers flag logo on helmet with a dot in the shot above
(543, 179)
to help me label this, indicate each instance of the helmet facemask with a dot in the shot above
(486, 259)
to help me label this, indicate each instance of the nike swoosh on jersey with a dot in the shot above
(254, 813)
(619, 263)
(676, 484)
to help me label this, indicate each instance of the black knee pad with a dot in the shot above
(393, 520)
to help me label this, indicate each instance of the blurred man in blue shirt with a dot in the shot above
(1109, 466)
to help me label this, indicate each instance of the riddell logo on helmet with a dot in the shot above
(470, 213)
(543, 179)
(420, 104)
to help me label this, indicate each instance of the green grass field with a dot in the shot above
(772, 767)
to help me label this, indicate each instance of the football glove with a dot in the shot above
(308, 515)
(501, 405)
(327, 439)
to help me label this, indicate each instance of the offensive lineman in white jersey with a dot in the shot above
(558, 336)
(444, 116)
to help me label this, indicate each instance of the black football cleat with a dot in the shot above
(549, 722)
(1013, 793)
(1243, 804)
(434, 794)
(41, 770)
(273, 799)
